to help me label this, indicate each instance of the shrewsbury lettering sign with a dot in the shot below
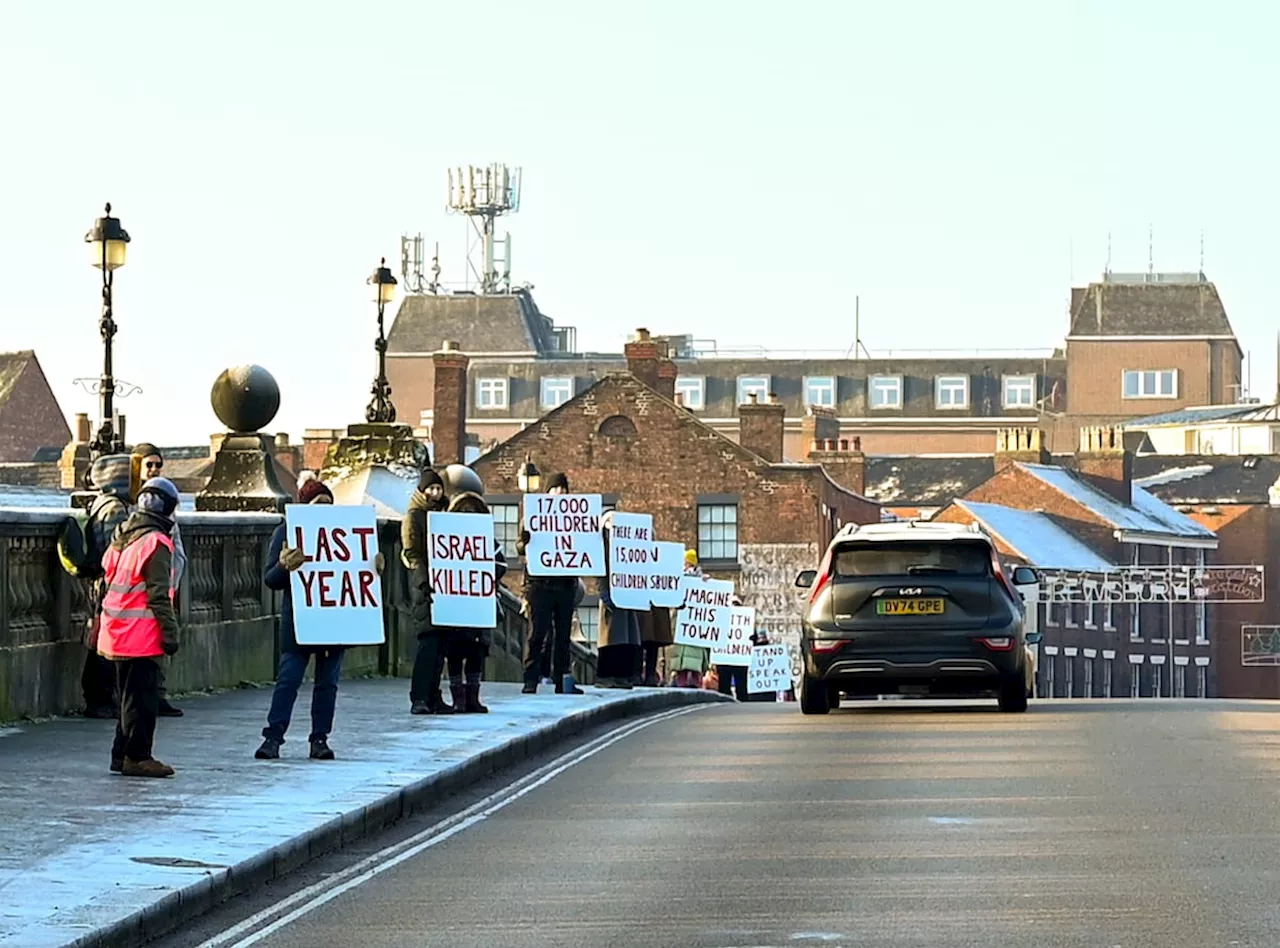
(1156, 584)
(337, 593)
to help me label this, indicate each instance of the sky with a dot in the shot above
(737, 172)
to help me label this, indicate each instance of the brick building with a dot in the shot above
(755, 518)
(31, 421)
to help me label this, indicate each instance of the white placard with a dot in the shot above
(460, 560)
(564, 535)
(770, 669)
(665, 590)
(632, 560)
(707, 612)
(735, 647)
(337, 592)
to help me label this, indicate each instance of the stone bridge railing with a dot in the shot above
(229, 618)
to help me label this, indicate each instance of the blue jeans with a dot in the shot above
(324, 694)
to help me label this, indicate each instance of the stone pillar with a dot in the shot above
(761, 427)
(449, 406)
(245, 399)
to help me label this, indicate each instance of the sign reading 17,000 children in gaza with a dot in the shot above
(564, 535)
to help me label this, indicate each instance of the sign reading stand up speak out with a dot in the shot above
(460, 561)
(769, 670)
(337, 593)
(564, 535)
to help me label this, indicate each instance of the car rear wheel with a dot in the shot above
(814, 696)
(833, 696)
(1013, 697)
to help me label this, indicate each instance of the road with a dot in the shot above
(1078, 824)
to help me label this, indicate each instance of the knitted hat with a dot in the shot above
(309, 488)
(146, 449)
(558, 480)
(429, 478)
(690, 557)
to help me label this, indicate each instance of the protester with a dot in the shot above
(689, 663)
(656, 633)
(467, 648)
(425, 696)
(732, 679)
(110, 475)
(139, 625)
(761, 637)
(551, 601)
(619, 642)
(152, 464)
(282, 560)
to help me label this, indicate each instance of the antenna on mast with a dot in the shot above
(411, 263)
(1151, 257)
(484, 195)
(1107, 271)
(1202, 254)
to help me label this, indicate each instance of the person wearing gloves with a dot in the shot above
(551, 601)
(619, 642)
(428, 664)
(110, 475)
(282, 560)
(138, 625)
(151, 462)
(467, 648)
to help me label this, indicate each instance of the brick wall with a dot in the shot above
(1095, 375)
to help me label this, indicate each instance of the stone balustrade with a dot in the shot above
(229, 618)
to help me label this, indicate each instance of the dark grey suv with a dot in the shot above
(922, 609)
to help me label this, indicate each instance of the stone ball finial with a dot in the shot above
(245, 398)
(460, 479)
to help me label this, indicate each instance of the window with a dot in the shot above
(1053, 613)
(951, 391)
(1202, 680)
(820, 391)
(1090, 615)
(1157, 680)
(921, 557)
(1135, 681)
(1073, 618)
(1088, 678)
(1108, 669)
(491, 393)
(1068, 676)
(718, 532)
(555, 392)
(757, 385)
(885, 391)
(1151, 384)
(1109, 616)
(1019, 391)
(692, 391)
(506, 527)
(1202, 618)
(589, 623)
(1180, 681)
(1048, 675)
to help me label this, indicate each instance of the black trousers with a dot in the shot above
(97, 681)
(617, 661)
(551, 625)
(137, 680)
(428, 666)
(735, 677)
(649, 662)
(465, 657)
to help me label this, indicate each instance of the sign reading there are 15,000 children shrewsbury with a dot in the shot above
(337, 593)
(564, 535)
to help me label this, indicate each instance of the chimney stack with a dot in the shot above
(819, 425)
(1025, 445)
(667, 372)
(84, 431)
(761, 427)
(449, 406)
(845, 465)
(1103, 461)
(643, 358)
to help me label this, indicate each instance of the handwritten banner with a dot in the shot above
(460, 559)
(564, 535)
(337, 593)
(707, 613)
(770, 669)
(632, 560)
(664, 589)
(735, 647)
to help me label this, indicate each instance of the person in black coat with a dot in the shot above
(428, 664)
(552, 601)
(465, 648)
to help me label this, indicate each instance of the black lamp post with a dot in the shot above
(381, 409)
(108, 242)
(528, 477)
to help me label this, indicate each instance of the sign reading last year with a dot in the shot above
(564, 535)
(337, 593)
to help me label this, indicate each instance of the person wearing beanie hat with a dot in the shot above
(425, 694)
(311, 488)
(558, 484)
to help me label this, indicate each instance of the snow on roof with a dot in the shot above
(1173, 475)
(1146, 514)
(1036, 538)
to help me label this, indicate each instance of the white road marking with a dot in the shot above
(329, 888)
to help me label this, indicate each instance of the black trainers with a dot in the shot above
(169, 711)
(117, 765)
(420, 707)
(529, 690)
(270, 749)
(320, 749)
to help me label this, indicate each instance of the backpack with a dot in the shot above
(79, 547)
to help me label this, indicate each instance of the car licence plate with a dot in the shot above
(909, 607)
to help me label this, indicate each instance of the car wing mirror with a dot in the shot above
(806, 578)
(1025, 576)
(1033, 638)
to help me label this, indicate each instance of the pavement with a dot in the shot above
(89, 858)
(1133, 824)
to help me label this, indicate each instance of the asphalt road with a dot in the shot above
(1108, 823)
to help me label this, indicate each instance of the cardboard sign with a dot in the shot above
(705, 618)
(770, 669)
(460, 560)
(337, 593)
(664, 588)
(735, 647)
(564, 535)
(632, 560)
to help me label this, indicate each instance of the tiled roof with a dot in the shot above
(924, 482)
(1207, 479)
(1194, 416)
(1150, 309)
(1146, 514)
(1036, 538)
(504, 323)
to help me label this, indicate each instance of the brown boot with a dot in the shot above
(473, 699)
(145, 768)
(459, 694)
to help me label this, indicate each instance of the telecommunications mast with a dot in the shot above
(484, 195)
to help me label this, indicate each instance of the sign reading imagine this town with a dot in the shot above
(1156, 584)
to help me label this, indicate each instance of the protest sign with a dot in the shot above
(735, 647)
(460, 559)
(707, 612)
(770, 669)
(632, 560)
(664, 589)
(564, 535)
(337, 593)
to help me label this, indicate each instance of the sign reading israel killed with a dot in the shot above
(707, 613)
(632, 560)
(460, 560)
(665, 591)
(337, 593)
(564, 535)
(735, 647)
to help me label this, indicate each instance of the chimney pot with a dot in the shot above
(642, 335)
(752, 398)
(449, 345)
(857, 445)
(84, 432)
(844, 444)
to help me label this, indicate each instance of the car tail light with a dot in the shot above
(999, 644)
(824, 577)
(1000, 574)
(826, 645)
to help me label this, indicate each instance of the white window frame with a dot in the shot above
(1108, 616)
(951, 384)
(692, 385)
(1108, 677)
(1049, 661)
(593, 612)
(1179, 681)
(1157, 680)
(1069, 617)
(1086, 684)
(1018, 385)
(507, 543)
(560, 384)
(1202, 680)
(492, 394)
(1069, 676)
(1049, 618)
(887, 385)
(1156, 378)
(1202, 610)
(1135, 680)
(825, 384)
(1090, 615)
(757, 385)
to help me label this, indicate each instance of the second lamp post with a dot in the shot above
(108, 242)
(381, 409)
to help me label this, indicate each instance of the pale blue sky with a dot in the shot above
(688, 167)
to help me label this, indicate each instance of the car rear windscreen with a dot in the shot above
(908, 557)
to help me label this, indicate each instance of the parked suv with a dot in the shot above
(915, 608)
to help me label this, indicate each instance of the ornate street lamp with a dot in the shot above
(381, 409)
(528, 477)
(108, 242)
